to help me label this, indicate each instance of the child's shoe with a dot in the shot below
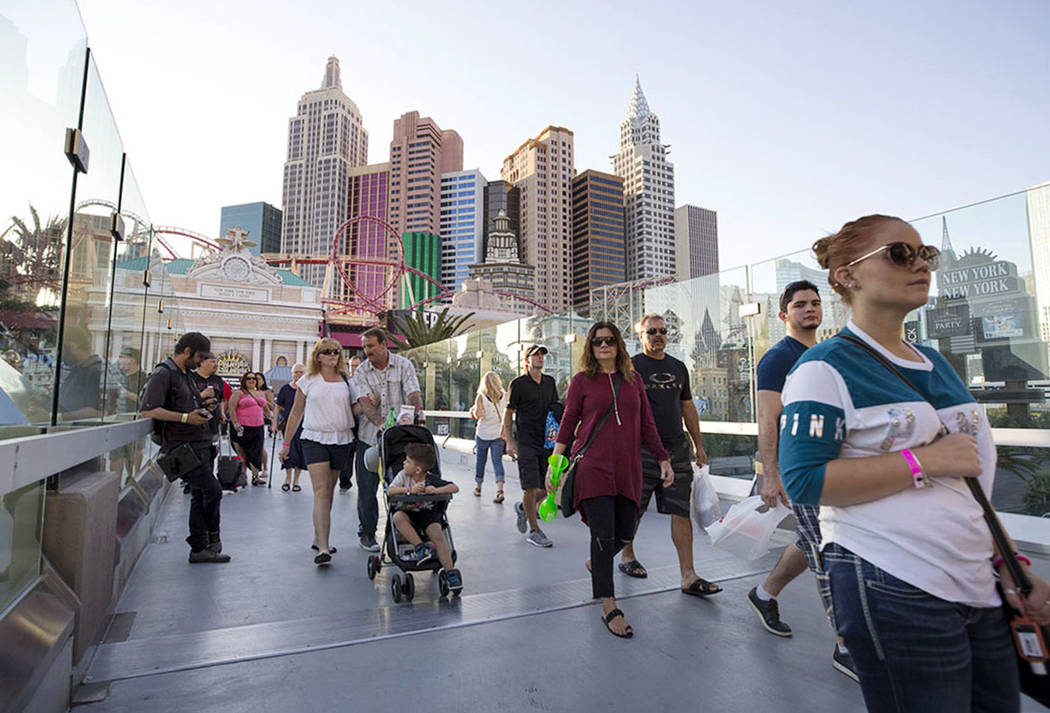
(424, 553)
(454, 579)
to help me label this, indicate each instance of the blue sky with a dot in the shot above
(786, 118)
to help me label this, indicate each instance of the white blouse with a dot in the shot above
(490, 423)
(328, 417)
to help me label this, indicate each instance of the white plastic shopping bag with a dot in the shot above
(704, 506)
(746, 528)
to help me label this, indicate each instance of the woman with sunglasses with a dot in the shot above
(248, 410)
(324, 405)
(608, 481)
(905, 552)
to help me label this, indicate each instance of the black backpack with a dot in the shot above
(157, 434)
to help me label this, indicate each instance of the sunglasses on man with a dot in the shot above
(656, 330)
(904, 254)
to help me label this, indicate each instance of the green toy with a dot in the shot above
(549, 508)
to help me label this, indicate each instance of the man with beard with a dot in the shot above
(666, 382)
(172, 397)
(801, 312)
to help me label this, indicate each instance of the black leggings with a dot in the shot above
(612, 522)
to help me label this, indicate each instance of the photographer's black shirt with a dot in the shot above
(169, 387)
(215, 382)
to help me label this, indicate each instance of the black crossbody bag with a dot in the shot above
(569, 478)
(1029, 637)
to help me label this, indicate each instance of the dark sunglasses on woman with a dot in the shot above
(329, 352)
(904, 254)
(607, 341)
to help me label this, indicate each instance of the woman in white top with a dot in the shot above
(324, 403)
(909, 562)
(489, 407)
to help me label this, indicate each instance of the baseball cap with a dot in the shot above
(532, 348)
(130, 351)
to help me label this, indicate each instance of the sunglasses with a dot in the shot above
(329, 352)
(607, 341)
(904, 254)
(654, 330)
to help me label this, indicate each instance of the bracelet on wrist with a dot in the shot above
(917, 476)
(184, 417)
(998, 561)
(287, 443)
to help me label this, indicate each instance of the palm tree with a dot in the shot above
(417, 331)
(29, 259)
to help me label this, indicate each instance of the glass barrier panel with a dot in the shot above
(40, 88)
(84, 393)
(21, 527)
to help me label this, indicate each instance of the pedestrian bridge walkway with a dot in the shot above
(272, 632)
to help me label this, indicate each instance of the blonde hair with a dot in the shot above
(314, 366)
(491, 386)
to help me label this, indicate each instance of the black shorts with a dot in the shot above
(532, 467)
(674, 499)
(422, 519)
(337, 455)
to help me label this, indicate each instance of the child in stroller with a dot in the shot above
(427, 517)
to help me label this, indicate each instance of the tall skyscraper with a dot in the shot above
(1037, 205)
(462, 225)
(542, 171)
(597, 234)
(503, 266)
(696, 242)
(501, 196)
(423, 253)
(261, 220)
(325, 140)
(648, 191)
(369, 196)
(420, 153)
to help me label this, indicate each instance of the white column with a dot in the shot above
(298, 351)
(267, 355)
(256, 356)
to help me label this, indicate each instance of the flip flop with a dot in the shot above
(634, 568)
(701, 588)
(286, 487)
(330, 549)
(612, 615)
(477, 491)
(296, 488)
(499, 498)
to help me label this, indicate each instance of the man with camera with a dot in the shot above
(172, 398)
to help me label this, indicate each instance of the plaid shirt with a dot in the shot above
(391, 386)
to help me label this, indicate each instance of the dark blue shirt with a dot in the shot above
(774, 366)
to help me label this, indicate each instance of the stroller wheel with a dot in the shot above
(442, 583)
(371, 567)
(410, 587)
(395, 588)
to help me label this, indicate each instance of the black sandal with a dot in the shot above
(499, 497)
(332, 550)
(634, 568)
(322, 559)
(286, 487)
(612, 615)
(701, 588)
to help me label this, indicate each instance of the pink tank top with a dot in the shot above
(250, 410)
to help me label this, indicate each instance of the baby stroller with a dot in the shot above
(395, 549)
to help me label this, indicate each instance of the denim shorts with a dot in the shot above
(914, 651)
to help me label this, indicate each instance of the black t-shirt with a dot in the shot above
(170, 388)
(285, 399)
(775, 364)
(531, 402)
(81, 388)
(667, 386)
(215, 382)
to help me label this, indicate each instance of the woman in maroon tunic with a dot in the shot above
(608, 485)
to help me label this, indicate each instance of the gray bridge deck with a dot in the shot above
(272, 632)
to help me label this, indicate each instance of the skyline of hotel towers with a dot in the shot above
(648, 191)
(326, 139)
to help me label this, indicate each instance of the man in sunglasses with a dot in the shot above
(667, 386)
(801, 312)
(531, 397)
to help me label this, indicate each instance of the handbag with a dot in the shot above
(179, 461)
(1029, 638)
(568, 478)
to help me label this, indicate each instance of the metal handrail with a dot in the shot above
(31, 459)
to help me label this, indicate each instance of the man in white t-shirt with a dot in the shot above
(384, 382)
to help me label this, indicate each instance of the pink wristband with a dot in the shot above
(917, 475)
(998, 562)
